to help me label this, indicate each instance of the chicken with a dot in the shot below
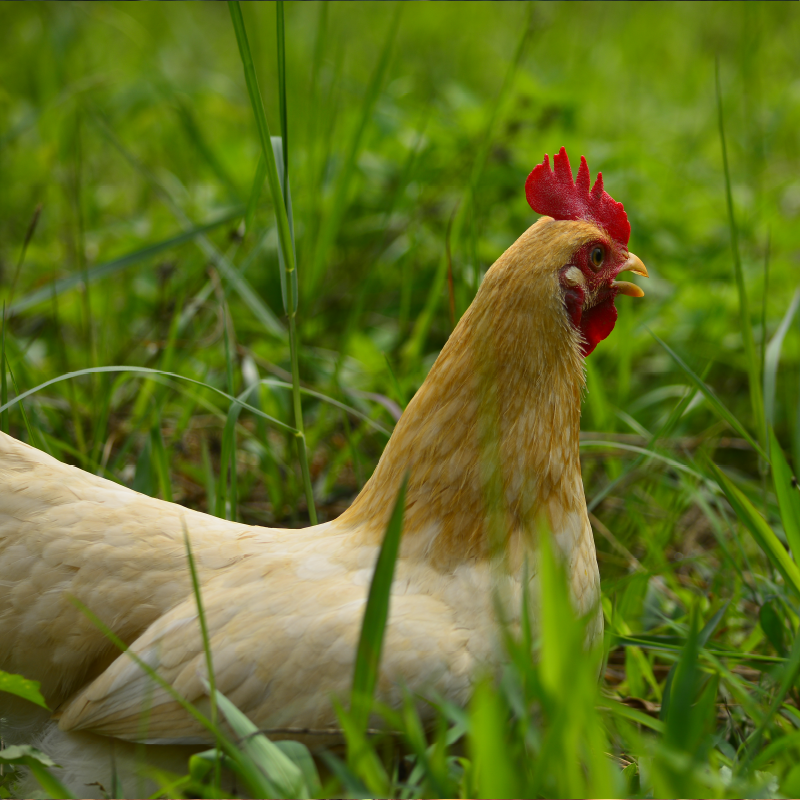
(491, 435)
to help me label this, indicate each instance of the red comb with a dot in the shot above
(552, 192)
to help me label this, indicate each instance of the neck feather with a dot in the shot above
(490, 440)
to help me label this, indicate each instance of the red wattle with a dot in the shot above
(597, 323)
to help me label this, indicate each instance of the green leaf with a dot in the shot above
(37, 762)
(758, 527)
(21, 753)
(22, 687)
(373, 627)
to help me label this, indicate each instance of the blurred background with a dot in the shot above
(127, 160)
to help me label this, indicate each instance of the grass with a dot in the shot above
(173, 325)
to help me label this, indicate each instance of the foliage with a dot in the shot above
(145, 284)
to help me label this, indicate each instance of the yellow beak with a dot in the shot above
(633, 264)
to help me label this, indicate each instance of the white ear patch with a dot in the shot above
(574, 277)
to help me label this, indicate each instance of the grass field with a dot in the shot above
(137, 230)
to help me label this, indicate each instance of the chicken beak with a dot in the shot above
(633, 264)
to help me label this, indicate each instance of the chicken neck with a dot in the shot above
(490, 440)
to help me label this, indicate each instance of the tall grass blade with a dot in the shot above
(158, 453)
(772, 358)
(249, 771)
(28, 237)
(744, 308)
(233, 276)
(255, 193)
(286, 274)
(281, 35)
(787, 493)
(146, 371)
(284, 237)
(665, 430)
(758, 527)
(63, 285)
(201, 616)
(3, 379)
(712, 398)
(283, 777)
(376, 615)
(415, 343)
(493, 773)
(195, 135)
(788, 680)
(331, 401)
(338, 204)
(230, 425)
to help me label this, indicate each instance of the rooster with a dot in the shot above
(494, 429)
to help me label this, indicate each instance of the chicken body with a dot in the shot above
(492, 434)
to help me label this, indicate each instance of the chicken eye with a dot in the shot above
(597, 256)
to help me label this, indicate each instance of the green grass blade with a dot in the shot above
(665, 430)
(195, 135)
(243, 288)
(201, 615)
(286, 274)
(227, 491)
(788, 495)
(285, 777)
(331, 401)
(263, 130)
(494, 772)
(3, 380)
(146, 371)
(711, 397)
(63, 285)
(284, 237)
(255, 193)
(230, 425)
(758, 527)
(644, 452)
(788, 679)
(281, 35)
(249, 771)
(744, 308)
(399, 393)
(144, 476)
(772, 357)
(338, 204)
(159, 455)
(37, 762)
(208, 476)
(22, 687)
(376, 615)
